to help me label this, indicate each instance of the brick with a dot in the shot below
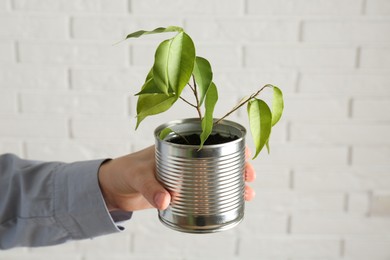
(116, 27)
(129, 80)
(202, 7)
(15, 26)
(174, 243)
(270, 177)
(371, 109)
(247, 30)
(255, 224)
(367, 248)
(342, 224)
(346, 83)
(299, 154)
(303, 7)
(33, 127)
(314, 108)
(336, 133)
(292, 246)
(299, 56)
(380, 204)
(247, 81)
(375, 57)
(371, 155)
(358, 203)
(8, 102)
(26, 77)
(85, 6)
(219, 55)
(357, 178)
(37, 256)
(7, 52)
(291, 201)
(14, 147)
(71, 150)
(74, 54)
(4, 5)
(73, 103)
(378, 7)
(119, 256)
(104, 128)
(367, 30)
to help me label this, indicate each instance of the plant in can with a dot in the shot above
(177, 66)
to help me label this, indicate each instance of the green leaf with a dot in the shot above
(152, 104)
(165, 132)
(180, 62)
(174, 63)
(160, 67)
(260, 119)
(149, 87)
(203, 76)
(157, 30)
(277, 105)
(207, 121)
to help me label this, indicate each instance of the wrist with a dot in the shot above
(104, 182)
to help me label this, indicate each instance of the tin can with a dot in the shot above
(208, 185)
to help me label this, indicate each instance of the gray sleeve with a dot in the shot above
(49, 203)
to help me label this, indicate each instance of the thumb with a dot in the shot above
(154, 193)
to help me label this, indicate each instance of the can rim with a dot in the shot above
(227, 123)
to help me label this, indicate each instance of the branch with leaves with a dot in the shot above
(175, 63)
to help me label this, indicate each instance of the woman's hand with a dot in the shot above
(129, 183)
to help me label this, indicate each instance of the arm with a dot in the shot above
(50, 203)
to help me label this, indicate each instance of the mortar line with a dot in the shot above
(243, 58)
(69, 78)
(297, 81)
(289, 224)
(129, 7)
(24, 149)
(300, 31)
(358, 57)
(19, 103)
(363, 10)
(346, 202)
(342, 247)
(17, 51)
(70, 31)
(245, 7)
(291, 183)
(237, 247)
(70, 128)
(350, 155)
(350, 108)
(10, 5)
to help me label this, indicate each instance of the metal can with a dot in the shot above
(207, 185)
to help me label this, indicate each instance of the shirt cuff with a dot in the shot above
(79, 205)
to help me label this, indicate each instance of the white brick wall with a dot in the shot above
(323, 192)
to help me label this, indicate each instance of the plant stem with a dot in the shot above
(242, 103)
(194, 89)
(188, 102)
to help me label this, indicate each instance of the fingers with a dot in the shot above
(249, 193)
(250, 176)
(152, 191)
(247, 153)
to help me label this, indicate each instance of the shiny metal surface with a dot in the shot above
(207, 185)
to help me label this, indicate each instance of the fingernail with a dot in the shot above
(159, 199)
